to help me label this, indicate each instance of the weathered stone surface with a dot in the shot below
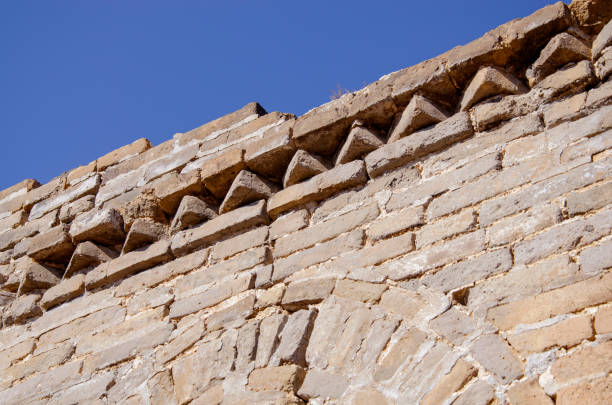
(288, 223)
(590, 361)
(562, 300)
(69, 211)
(233, 315)
(145, 205)
(528, 392)
(180, 343)
(303, 166)
(569, 80)
(127, 264)
(603, 320)
(18, 189)
(479, 393)
(172, 187)
(246, 188)
(88, 254)
(456, 378)
(490, 81)
(160, 295)
(218, 173)
(21, 309)
(396, 222)
(565, 110)
(40, 362)
(294, 338)
(319, 383)
(104, 226)
(13, 220)
(418, 306)
(270, 155)
(391, 156)
(286, 378)
(597, 391)
(359, 142)
(191, 211)
(524, 149)
(268, 340)
(53, 245)
(454, 325)
(204, 235)
(603, 65)
(407, 344)
(596, 258)
(35, 276)
(445, 228)
(318, 188)
(301, 293)
(603, 40)
(86, 187)
(560, 50)
(580, 202)
(513, 228)
(494, 354)
(419, 113)
(143, 232)
(242, 242)
(369, 293)
(123, 153)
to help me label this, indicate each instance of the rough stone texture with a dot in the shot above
(303, 166)
(419, 113)
(246, 188)
(88, 254)
(172, 187)
(143, 232)
(191, 211)
(490, 81)
(103, 226)
(53, 245)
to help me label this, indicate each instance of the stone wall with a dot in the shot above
(441, 236)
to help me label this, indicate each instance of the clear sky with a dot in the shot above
(81, 78)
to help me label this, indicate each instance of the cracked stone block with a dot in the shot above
(103, 226)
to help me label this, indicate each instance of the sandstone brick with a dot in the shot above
(570, 80)
(86, 187)
(118, 187)
(490, 81)
(22, 308)
(64, 291)
(418, 306)
(104, 226)
(479, 393)
(18, 189)
(158, 296)
(597, 392)
(294, 338)
(596, 258)
(123, 153)
(528, 392)
(246, 188)
(88, 254)
(239, 243)
(180, 343)
(542, 191)
(191, 211)
(12, 237)
(572, 298)
(38, 363)
(419, 113)
(324, 231)
(35, 276)
(563, 237)
(580, 202)
(435, 256)
(603, 320)
(80, 173)
(269, 331)
(13, 220)
(233, 315)
(173, 160)
(524, 149)
(406, 345)
(603, 40)
(143, 232)
(317, 254)
(128, 264)
(566, 333)
(456, 378)
(172, 187)
(204, 235)
(161, 273)
(590, 361)
(90, 390)
(212, 396)
(603, 65)
(219, 172)
(560, 50)
(396, 222)
(302, 293)
(565, 110)
(16, 352)
(568, 132)
(513, 228)
(445, 228)
(246, 343)
(69, 211)
(288, 223)
(454, 325)
(323, 384)
(391, 156)
(495, 355)
(601, 95)
(303, 166)
(271, 296)
(359, 142)
(53, 245)
(210, 297)
(270, 155)
(369, 293)
(286, 378)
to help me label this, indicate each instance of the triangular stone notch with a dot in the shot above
(419, 113)
(561, 50)
(246, 187)
(191, 211)
(88, 254)
(144, 231)
(359, 142)
(488, 82)
(303, 166)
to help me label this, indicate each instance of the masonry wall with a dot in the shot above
(440, 236)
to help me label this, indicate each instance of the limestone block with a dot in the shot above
(590, 361)
(172, 187)
(66, 290)
(457, 377)
(603, 320)
(454, 325)
(603, 65)
(286, 378)
(103, 226)
(528, 392)
(145, 205)
(294, 338)
(218, 173)
(88, 254)
(69, 211)
(303, 166)
(318, 383)
(495, 355)
(420, 113)
(596, 391)
(231, 316)
(86, 187)
(22, 308)
(570, 80)
(490, 81)
(479, 393)
(359, 142)
(301, 293)
(36, 276)
(54, 245)
(270, 155)
(246, 188)
(123, 153)
(143, 232)
(369, 293)
(320, 129)
(602, 41)
(191, 211)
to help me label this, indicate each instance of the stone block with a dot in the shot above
(513, 228)
(172, 187)
(191, 211)
(603, 65)
(286, 378)
(590, 361)
(528, 392)
(320, 129)
(420, 112)
(103, 226)
(406, 344)
(495, 355)
(565, 110)
(488, 82)
(603, 40)
(288, 223)
(445, 228)
(173, 160)
(396, 222)
(303, 166)
(318, 187)
(69, 211)
(595, 197)
(570, 80)
(88, 254)
(53, 245)
(270, 155)
(418, 306)
(143, 232)
(180, 343)
(479, 393)
(596, 258)
(269, 330)
(603, 320)
(123, 153)
(318, 383)
(400, 153)
(246, 188)
(294, 338)
(523, 149)
(86, 187)
(22, 308)
(596, 391)
(233, 315)
(239, 243)
(302, 293)
(454, 325)
(369, 293)
(359, 142)
(218, 173)
(457, 377)
(224, 225)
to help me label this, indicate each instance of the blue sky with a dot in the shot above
(81, 78)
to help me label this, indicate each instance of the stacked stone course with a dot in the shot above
(442, 236)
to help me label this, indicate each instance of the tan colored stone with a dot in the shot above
(204, 235)
(456, 378)
(64, 291)
(596, 258)
(22, 308)
(53, 245)
(302, 293)
(593, 291)
(123, 153)
(580, 202)
(172, 187)
(174, 160)
(454, 325)
(603, 39)
(417, 306)
(359, 142)
(143, 232)
(79, 174)
(18, 189)
(86, 187)
(127, 264)
(603, 65)
(495, 355)
(35, 276)
(594, 392)
(406, 345)
(246, 188)
(303, 166)
(402, 152)
(528, 392)
(369, 293)
(270, 155)
(288, 223)
(590, 361)
(395, 223)
(104, 226)
(570, 80)
(145, 205)
(153, 298)
(212, 396)
(269, 331)
(445, 228)
(286, 378)
(161, 389)
(419, 113)
(490, 81)
(524, 149)
(318, 187)
(565, 110)
(88, 254)
(513, 228)
(323, 384)
(16, 352)
(180, 343)
(560, 50)
(294, 338)
(191, 211)
(38, 363)
(603, 320)
(479, 393)
(233, 315)
(69, 211)
(219, 172)
(13, 220)
(240, 243)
